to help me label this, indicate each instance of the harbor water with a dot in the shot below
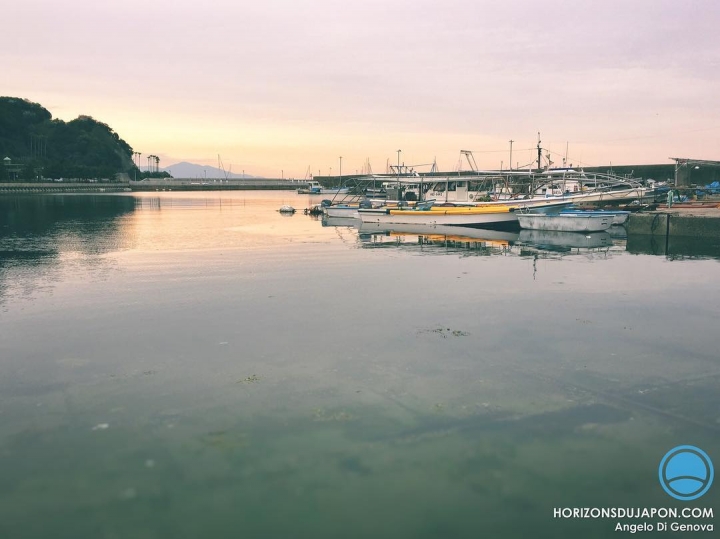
(186, 365)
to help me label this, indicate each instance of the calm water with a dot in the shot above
(186, 365)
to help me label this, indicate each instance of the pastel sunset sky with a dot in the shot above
(287, 85)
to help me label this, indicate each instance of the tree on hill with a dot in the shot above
(81, 148)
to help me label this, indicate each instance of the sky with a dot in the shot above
(278, 88)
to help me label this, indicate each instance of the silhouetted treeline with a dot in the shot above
(42, 147)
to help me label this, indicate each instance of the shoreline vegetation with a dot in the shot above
(34, 146)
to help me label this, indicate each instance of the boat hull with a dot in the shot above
(341, 211)
(451, 217)
(568, 222)
(618, 217)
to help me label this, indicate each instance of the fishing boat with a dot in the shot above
(490, 187)
(315, 188)
(488, 216)
(564, 222)
(342, 211)
(311, 188)
(495, 217)
(350, 210)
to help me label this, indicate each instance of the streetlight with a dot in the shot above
(399, 194)
(341, 170)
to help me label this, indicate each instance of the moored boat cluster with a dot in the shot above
(554, 200)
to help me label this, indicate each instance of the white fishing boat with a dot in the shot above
(315, 188)
(493, 187)
(564, 222)
(495, 217)
(342, 210)
(310, 188)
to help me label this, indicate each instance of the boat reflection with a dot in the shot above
(480, 241)
(340, 221)
(440, 238)
(564, 241)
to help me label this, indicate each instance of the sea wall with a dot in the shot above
(674, 224)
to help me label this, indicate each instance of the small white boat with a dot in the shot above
(618, 217)
(564, 222)
(342, 210)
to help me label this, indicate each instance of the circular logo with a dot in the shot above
(686, 472)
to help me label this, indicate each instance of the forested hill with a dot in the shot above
(40, 146)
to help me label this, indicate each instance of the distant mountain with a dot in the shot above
(191, 170)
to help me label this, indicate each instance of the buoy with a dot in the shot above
(286, 209)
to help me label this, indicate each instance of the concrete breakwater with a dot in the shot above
(61, 187)
(152, 185)
(697, 223)
(186, 184)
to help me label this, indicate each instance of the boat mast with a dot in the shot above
(539, 154)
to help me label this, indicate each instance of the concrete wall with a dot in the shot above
(660, 224)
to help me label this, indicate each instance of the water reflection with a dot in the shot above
(87, 223)
(440, 239)
(35, 231)
(564, 241)
(240, 359)
(674, 247)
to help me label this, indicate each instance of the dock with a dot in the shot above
(688, 221)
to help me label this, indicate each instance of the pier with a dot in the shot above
(701, 222)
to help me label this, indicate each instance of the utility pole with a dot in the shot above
(511, 141)
(539, 153)
(399, 195)
(341, 170)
